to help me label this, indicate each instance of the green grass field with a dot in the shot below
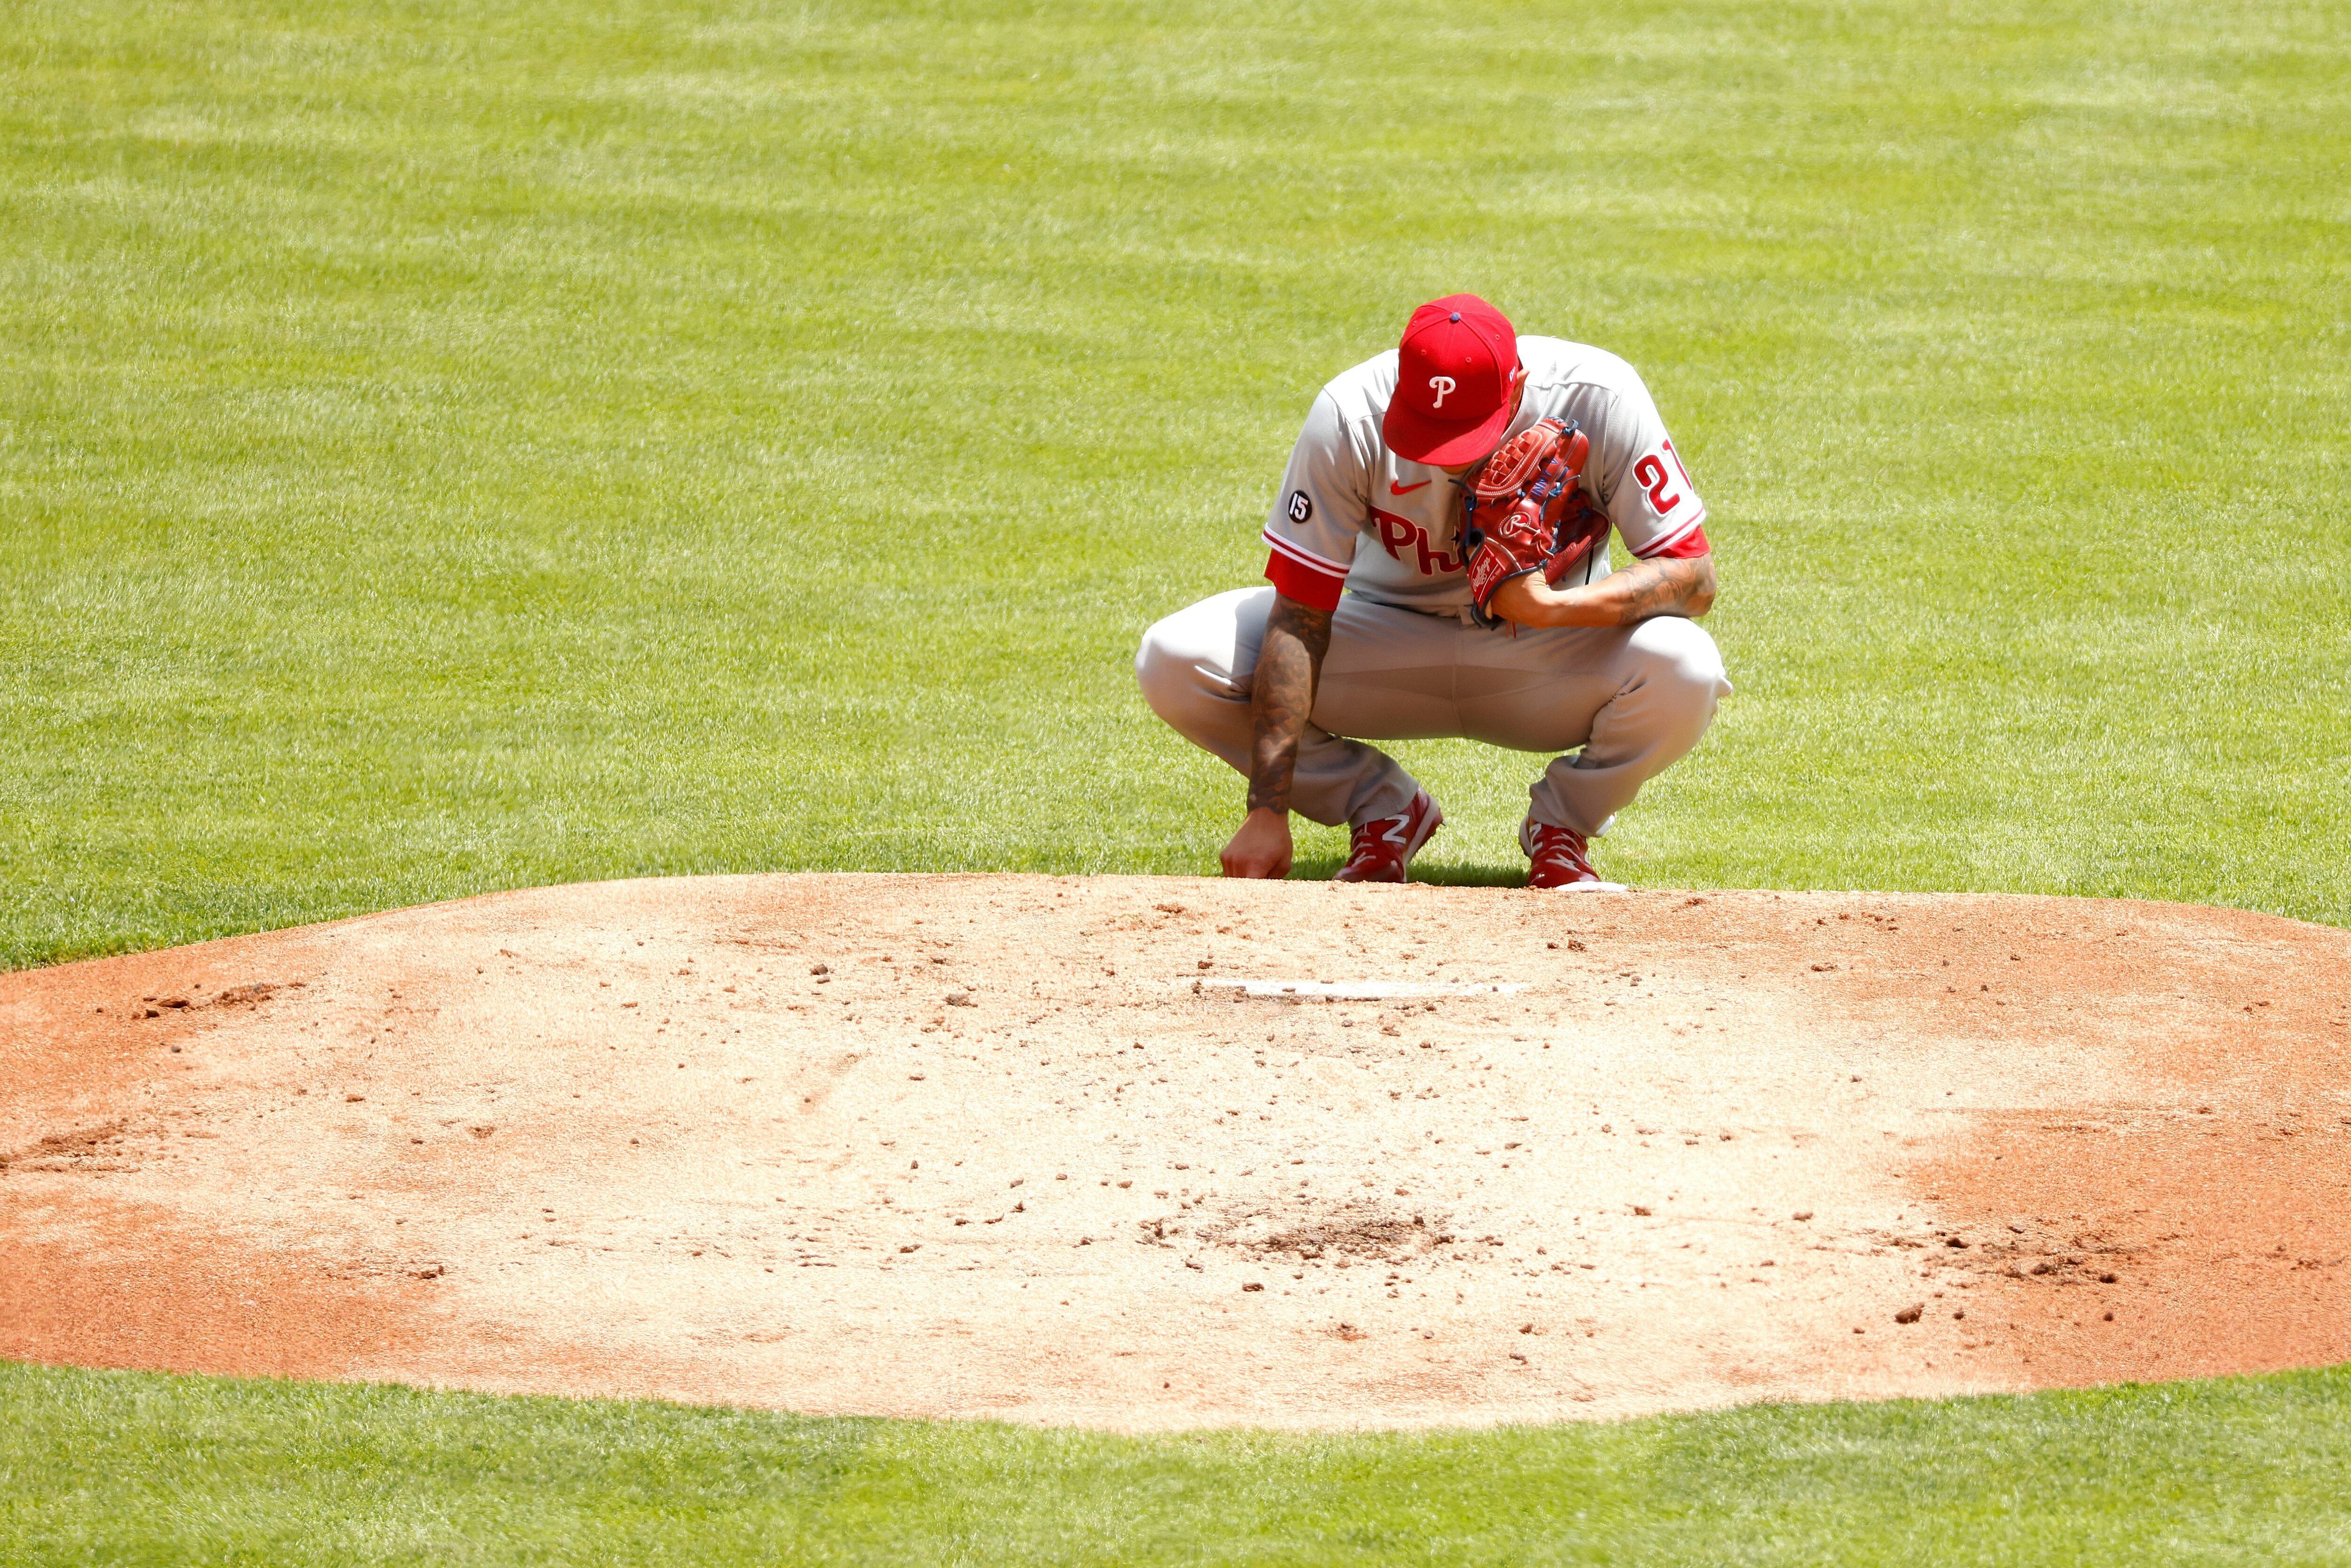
(131, 1468)
(450, 447)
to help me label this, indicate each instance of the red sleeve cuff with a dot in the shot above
(1293, 580)
(1687, 548)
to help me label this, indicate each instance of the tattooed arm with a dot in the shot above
(1643, 590)
(1289, 666)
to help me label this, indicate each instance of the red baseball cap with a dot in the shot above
(1452, 399)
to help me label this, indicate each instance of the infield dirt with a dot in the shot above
(1027, 1148)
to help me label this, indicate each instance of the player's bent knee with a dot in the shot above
(1185, 662)
(1679, 652)
(1682, 675)
(1159, 670)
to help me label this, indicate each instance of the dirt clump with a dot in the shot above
(73, 1151)
(1353, 1232)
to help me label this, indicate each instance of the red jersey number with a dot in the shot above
(1650, 474)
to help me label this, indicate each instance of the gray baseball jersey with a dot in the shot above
(1353, 515)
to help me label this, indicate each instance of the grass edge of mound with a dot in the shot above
(134, 1467)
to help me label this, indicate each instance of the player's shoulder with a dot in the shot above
(1362, 391)
(1558, 362)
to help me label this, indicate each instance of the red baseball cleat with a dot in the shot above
(1562, 859)
(1380, 850)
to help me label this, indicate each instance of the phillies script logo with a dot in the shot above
(1396, 532)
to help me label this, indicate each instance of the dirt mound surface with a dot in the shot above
(1148, 1153)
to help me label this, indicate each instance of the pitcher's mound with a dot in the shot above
(1154, 1152)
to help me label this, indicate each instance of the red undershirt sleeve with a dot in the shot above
(1309, 585)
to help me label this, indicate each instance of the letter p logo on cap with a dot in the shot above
(1454, 367)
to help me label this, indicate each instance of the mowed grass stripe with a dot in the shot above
(453, 450)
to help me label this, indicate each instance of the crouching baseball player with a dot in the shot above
(1441, 567)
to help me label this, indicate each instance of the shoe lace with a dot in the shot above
(1368, 836)
(1560, 847)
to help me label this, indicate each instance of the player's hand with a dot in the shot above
(1261, 848)
(1525, 600)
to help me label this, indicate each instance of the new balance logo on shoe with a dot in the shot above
(1381, 849)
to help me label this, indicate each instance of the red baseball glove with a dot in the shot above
(1525, 512)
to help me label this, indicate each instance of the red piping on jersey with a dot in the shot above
(1685, 543)
(1304, 557)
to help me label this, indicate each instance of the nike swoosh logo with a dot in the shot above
(1396, 489)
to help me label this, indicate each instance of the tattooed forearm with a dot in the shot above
(1648, 589)
(1288, 667)
(1642, 591)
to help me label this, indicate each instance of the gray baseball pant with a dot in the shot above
(1628, 701)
